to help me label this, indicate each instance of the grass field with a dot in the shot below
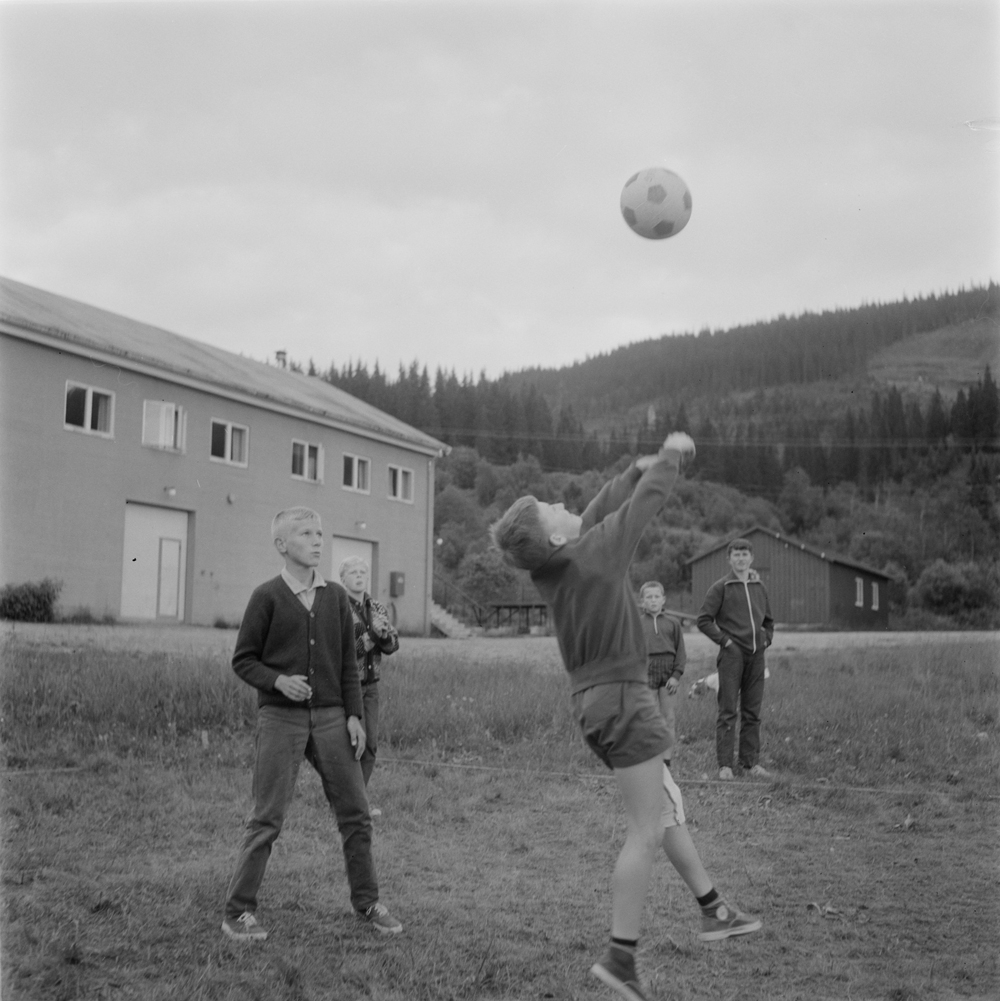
(871, 857)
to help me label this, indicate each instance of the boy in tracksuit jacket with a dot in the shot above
(579, 563)
(736, 614)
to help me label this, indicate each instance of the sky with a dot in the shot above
(394, 182)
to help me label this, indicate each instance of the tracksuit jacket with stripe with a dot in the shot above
(738, 610)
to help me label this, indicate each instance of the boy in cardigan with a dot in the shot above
(736, 614)
(580, 566)
(296, 646)
(665, 648)
(373, 637)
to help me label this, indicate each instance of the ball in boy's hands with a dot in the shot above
(656, 203)
(679, 441)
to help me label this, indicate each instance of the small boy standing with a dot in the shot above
(580, 566)
(374, 636)
(296, 646)
(666, 653)
(736, 614)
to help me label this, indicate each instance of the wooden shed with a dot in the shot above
(806, 586)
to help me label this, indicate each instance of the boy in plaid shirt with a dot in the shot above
(666, 653)
(373, 636)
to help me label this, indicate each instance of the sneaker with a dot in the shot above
(760, 772)
(725, 922)
(617, 970)
(726, 774)
(245, 928)
(381, 920)
(375, 812)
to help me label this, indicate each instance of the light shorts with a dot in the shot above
(622, 724)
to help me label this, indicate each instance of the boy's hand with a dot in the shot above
(678, 441)
(672, 685)
(645, 461)
(294, 687)
(380, 624)
(358, 738)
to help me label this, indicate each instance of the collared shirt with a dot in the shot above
(306, 593)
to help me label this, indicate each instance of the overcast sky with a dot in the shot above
(440, 181)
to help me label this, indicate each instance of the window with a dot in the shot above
(356, 473)
(874, 596)
(307, 461)
(164, 425)
(229, 442)
(859, 592)
(401, 484)
(89, 410)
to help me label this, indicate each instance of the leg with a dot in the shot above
(751, 698)
(370, 723)
(642, 792)
(281, 740)
(667, 712)
(730, 666)
(329, 751)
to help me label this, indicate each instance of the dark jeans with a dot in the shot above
(286, 735)
(741, 688)
(370, 723)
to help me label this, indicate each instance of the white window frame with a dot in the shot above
(859, 592)
(230, 426)
(88, 409)
(398, 483)
(306, 447)
(357, 463)
(164, 426)
(874, 596)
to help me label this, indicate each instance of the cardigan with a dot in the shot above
(279, 636)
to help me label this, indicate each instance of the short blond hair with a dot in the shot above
(651, 585)
(518, 534)
(284, 518)
(350, 563)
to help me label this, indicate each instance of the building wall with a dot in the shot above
(63, 492)
(845, 593)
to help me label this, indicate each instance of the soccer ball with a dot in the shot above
(656, 203)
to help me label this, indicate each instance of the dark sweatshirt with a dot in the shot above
(280, 636)
(738, 611)
(585, 581)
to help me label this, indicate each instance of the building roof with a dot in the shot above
(788, 540)
(72, 325)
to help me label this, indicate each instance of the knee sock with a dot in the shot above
(709, 902)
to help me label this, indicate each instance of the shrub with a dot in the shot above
(956, 589)
(31, 602)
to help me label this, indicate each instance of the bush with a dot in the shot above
(31, 602)
(963, 590)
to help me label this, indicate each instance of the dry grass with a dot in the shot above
(498, 837)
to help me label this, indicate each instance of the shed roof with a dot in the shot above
(788, 540)
(24, 308)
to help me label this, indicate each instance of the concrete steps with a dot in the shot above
(447, 625)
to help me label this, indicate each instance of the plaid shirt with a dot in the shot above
(664, 646)
(369, 660)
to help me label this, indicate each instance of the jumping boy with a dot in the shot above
(296, 646)
(736, 614)
(666, 652)
(580, 566)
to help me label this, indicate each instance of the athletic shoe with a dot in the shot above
(381, 920)
(617, 970)
(245, 928)
(724, 922)
(760, 772)
(375, 812)
(726, 774)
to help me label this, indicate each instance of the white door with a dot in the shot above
(154, 563)
(341, 548)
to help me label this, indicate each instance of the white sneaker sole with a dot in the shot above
(614, 983)
(243, 936)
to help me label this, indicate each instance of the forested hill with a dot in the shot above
(787, 350)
